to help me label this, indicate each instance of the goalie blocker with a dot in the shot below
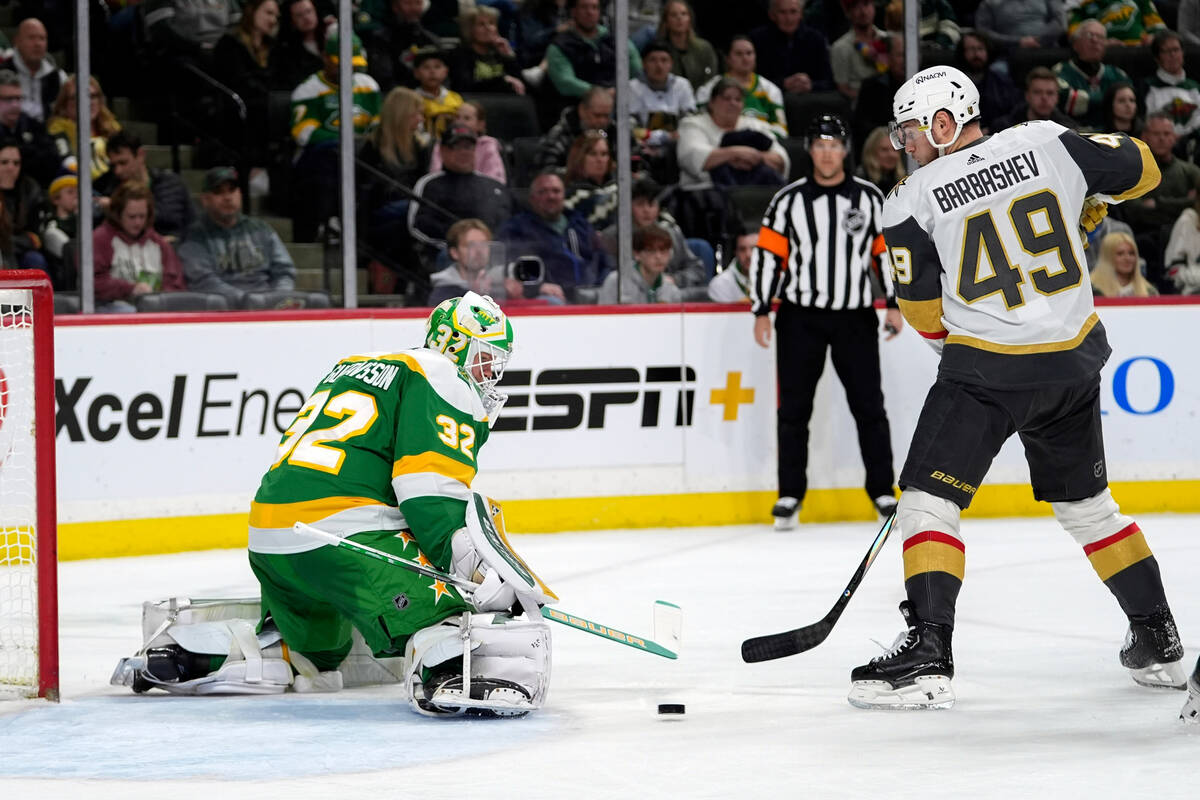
(485, 664)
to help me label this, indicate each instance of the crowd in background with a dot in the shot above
(486, 137)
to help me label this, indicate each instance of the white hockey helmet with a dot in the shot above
(932, 90)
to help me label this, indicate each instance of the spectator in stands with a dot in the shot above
(593, 113)
(484, 61)
(315, 129)
(471, 269)
(1041, 102)
(538, 22)
(685, 267)
(40, 77)
(1118, 272)
(583, 56)
(229, 253)
(1121, 110)
(59, 226)
(881, 163)
(644, 281)
(131, 259)
(457, 189)
(566, 243)
(1169, 89)
(38, 153)
(658, 101)
(938, 24)
(173, 211)
(187, 31)
(297, 52)
(242, 60)
(791, 54)
(591, 180)
(1182, 256)
(726, 148)
(860, 53)
(997, 95)
(1187, 22)
(23, 200)
(440, 103)
(874, 107)
(691, 57)
(1084, 78)
(1125, 23)
(61, 126)
(761, 99)
(732, 284)
(390, 48)
(1012, 24)
(489, 160)
(395, 155)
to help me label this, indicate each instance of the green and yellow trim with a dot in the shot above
(437, 463)
(284, 515)
(137, 537)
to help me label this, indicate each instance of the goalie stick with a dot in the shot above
(668, 617)
(789, 643)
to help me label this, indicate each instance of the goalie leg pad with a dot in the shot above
(479, 664)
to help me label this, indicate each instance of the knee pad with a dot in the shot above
(481, 664)
(918, 512)
(1088, 521)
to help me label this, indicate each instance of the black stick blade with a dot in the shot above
(788, 643)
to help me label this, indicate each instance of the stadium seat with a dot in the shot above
(802, 109)
(509, 116)
(1024, 59)
(182, 301)
(284, 300)
(751, 202)
(524, 149)
(798, 154)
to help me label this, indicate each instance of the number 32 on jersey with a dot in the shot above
(985, 267)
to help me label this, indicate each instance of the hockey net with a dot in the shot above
(28, 560)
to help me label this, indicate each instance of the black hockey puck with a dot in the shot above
(670, 708)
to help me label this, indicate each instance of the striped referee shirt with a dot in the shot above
(817, 246)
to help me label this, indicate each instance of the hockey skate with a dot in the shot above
(914, 674)
(786, 511)
(1153, 653)
(1191, 709)
(489, 697)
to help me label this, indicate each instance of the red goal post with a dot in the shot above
(28, 541)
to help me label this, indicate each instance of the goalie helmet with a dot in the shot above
(476, 335)
(932, 90)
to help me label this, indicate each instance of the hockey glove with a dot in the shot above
(493, 593)
(1094, 212)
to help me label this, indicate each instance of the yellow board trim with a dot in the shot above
(934, 557)
(1025, 349)
(430, 461)
(284, 515)
(137, 537)
(1119, 555)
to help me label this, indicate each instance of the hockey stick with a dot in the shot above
(789, 643)
(667, 616)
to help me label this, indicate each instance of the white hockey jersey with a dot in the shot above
(987, 257)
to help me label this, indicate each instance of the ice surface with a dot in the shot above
(1043, 704)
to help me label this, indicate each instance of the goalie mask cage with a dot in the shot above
(28, 545)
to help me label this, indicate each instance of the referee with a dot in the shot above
(819, 240)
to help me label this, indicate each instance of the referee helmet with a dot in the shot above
(826, 126)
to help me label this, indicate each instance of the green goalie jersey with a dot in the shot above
(385, 442)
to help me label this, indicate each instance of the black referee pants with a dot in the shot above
(802, 337)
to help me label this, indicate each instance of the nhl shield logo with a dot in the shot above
(400, 601)
(854, 221)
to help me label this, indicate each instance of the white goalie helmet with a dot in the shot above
(476, 335)
(932, 90)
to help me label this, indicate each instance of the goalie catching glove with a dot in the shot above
(481, 553)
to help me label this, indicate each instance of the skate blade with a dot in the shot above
(1161, 676)
(927, 692)
(789, 523)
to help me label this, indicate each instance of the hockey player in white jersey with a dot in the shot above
(989, 268)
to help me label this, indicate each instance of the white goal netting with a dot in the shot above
(18, 498)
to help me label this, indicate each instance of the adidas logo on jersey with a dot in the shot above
(974, 159)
